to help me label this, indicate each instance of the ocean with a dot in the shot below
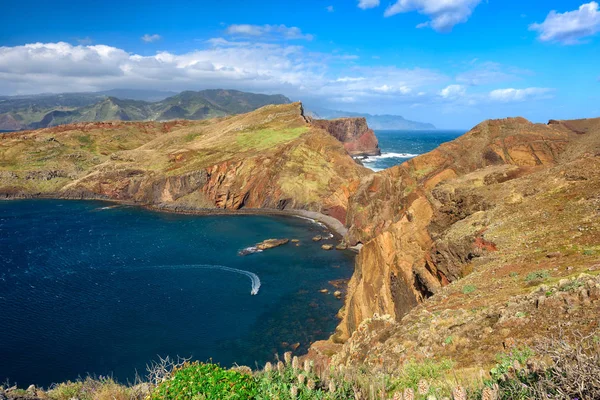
(399, 146)
(87, 287)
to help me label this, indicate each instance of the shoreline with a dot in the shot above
(332, 224)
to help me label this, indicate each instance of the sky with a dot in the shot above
(453, 63)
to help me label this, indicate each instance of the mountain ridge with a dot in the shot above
(42, 111)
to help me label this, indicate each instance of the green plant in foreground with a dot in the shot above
(206, 382)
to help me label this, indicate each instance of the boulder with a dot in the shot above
(327, 246)
(271, 243)
(317, 238)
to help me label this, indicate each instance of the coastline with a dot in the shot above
(333, 225)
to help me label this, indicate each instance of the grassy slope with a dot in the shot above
(265, 155)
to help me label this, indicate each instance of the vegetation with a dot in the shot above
(467, 289)
(555, 368)
(206, 381)
(537, 276)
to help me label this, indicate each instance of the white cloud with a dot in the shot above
(444, 14)
(364, 4)
(150, 38)
(569, 27)
(329, 8)
(518, 95)
(252, 66)
(489, 73)
(453, 91)
(268, 30)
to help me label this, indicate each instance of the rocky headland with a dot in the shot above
(457, 246)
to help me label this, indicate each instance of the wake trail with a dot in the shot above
(253, 277)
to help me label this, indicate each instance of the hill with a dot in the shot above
(42, 111)
(479, 261)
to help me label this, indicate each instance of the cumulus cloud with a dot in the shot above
(569, 27)
(281, 31)
(518, 95)
(252, 66)
(453, 91)
(150, 38)
(443, 14)
(365, 4)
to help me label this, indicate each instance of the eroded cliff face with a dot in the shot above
(358, 139)
(270, 158)
(423, 222)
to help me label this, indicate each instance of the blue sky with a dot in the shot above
(450, 62)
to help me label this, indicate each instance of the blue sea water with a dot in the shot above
(89, 288)
(399, 146)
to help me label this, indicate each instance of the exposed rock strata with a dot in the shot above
(421, 223)
(358, 139)
(271, 158)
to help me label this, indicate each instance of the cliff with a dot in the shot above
(358, 139)
(453, 236)
(270, 158)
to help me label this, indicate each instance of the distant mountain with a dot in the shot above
(45, 110)
(381, 122)
(137, 94)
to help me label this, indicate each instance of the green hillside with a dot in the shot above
(42, 111)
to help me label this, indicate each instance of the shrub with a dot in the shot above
(537, 276)
(469, 289)
(207, 382)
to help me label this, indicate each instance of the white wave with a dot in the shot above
(249, 250)
(371, 159)
(253, 277)
(314, 221)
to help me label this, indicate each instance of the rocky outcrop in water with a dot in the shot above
(358, 139)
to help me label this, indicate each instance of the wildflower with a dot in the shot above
(307, 365)
(287, 356)
(331, 387)
(409, 394)
(459, 393)
(423, 387)
(294, 392)
(310, 384)
(268, 367)
(295, 363)
(301, 379)
(280, 367)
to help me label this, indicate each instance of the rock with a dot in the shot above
(555, 254)
(324, 291)
(337, 294)
(354, 133)
(31, 389)
(327, 246)
(317, 238)
(271, 243)
(341, 246)
(295, 346)
(295, 241)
